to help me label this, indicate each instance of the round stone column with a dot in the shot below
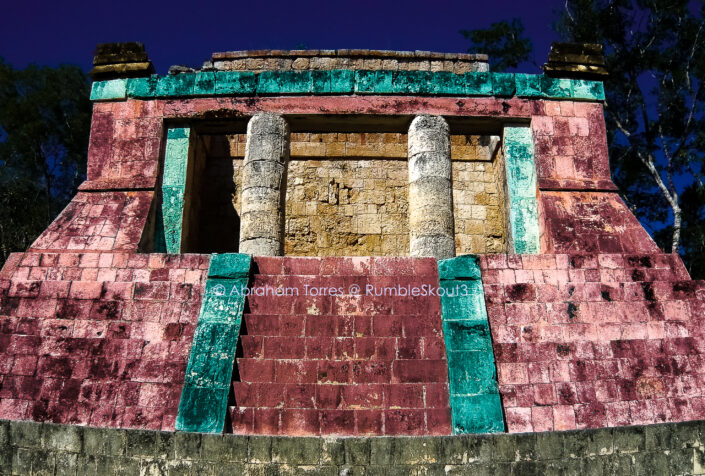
(431, 226)
(264, 186)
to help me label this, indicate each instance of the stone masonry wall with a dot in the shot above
(600, 221)
(585, 341)
(347, 193)
(97, 338)
(666, 449)
(317, 60)
(478, 196)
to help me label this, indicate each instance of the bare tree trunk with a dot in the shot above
(671, 198)
(676, 240)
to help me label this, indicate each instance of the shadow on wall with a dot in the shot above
(219, 222)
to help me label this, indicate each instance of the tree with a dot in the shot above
(503, 42)
(45, 118)
(655, 110)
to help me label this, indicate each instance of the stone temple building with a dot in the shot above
(349, 247)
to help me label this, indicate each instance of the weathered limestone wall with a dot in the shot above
(349, 207)
(322, 60)
(478, 195)
(346, 191)
(33, 448)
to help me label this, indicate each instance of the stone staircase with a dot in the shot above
(345, 363)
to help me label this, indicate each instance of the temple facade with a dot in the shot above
(348, 243)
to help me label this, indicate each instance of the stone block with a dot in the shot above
(410, 82)
(284, 82)
(205, 83)
(556, 88)
(114, 89)
(468, 335)
(521, 185)
(365, 81)
(477, 414)
(503, 84)
(342, 81)
(320, 82)
(259, 449)
(461, 267)
(63, 438)
(66, 464)
(235, 83)
(142, 87)
(588, 90)
(202, 409)
(140, 443)
(478, 84)
(229, 265)
(224, 448)
(26, 434)
(384, 82)
(528, 85)
(174, 85)
(448, 83)
(296, 451)
(187, 446)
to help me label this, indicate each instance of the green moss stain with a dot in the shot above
(521, 184)
(443, 83)
(204, 398)
(174, 187)
(472, 374)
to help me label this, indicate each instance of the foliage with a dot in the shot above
(44, 126)
(503, 42)
(655, 110)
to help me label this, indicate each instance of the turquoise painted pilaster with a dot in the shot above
(521, 185)
(174, 186)
(204, 398)
(474, 395)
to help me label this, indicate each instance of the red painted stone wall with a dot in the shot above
(578, 212)
(97, 339)
(585, 341)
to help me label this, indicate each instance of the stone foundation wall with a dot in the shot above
(33, 448)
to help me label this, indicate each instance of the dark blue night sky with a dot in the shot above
(179, 32)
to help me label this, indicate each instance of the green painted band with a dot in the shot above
(437, 83)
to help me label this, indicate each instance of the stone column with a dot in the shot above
(431, 227)
(264, 186)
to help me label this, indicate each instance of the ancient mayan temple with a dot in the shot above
(351, 247)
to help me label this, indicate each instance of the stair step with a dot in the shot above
(343, 305)
(342, 348)
(341, 325)
(344, 371)
(311, 422)
(357, 396)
